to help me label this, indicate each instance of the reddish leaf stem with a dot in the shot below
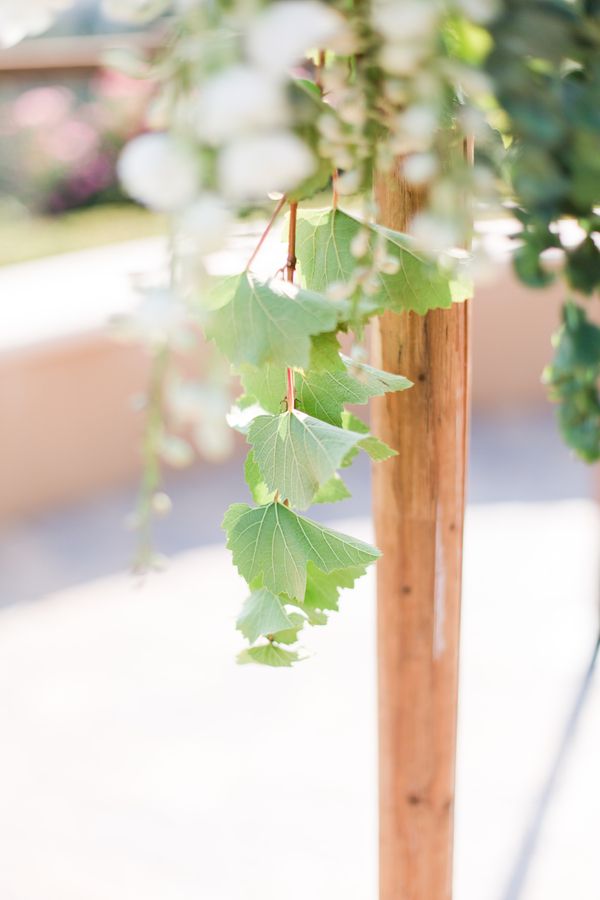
(290, 268)
(265, 233)
(320, 65)
(334, 181)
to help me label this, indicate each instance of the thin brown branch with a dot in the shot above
(319, 69)
(334, 180)
(265, 233)
(290, 268)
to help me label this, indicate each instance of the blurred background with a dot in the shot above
(136, 759)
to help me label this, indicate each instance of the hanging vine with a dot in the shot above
(306, 100)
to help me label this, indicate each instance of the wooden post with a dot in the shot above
(419, 507)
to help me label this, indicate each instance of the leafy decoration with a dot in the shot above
(322, 393)
(323, 588)
(297, 454)
(272, 547)
(574, 378)
(269, 655)
(261, 322)
(263, 613)
(289, 561)
(378, 450)
(332, 491)
(259, 490)
(324, 250)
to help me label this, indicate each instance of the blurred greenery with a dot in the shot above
(573, 380)
(545, 67)
(22, 239)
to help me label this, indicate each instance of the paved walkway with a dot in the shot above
(138, 762)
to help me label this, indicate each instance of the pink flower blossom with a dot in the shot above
(70, 141)
(41, 107)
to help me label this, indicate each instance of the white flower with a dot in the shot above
(215, 441)
(401, 59)
(176, 451)
(405, 20)
(184, 6)
(251, 167)
(238, 99)
(418, 123)
(184, 399)
(350, 106)
(159, 172)
(359, 245)
(480, 11)
(206, 223)
(330, 128)
(134, 11)
(159, 317)
(552, 260)
(19, 18)
(434, 234)
(419, 168)
(285, 31)
(349, 182)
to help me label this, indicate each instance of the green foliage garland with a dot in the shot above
(545, 67)
(305, 98)
(283, 340)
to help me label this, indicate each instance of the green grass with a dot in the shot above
(22, 239)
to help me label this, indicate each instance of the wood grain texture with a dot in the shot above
(419, 508)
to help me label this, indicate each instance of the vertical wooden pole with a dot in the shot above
(419, 507)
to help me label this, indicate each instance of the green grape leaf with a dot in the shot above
(322, 393)
(322, 589)
(262, 613)
(296, 453)
(375, 382)
(272, 547)
(573, 379)
(259, 490)
(290, 635)
(308, 104)
(314, 616)
(263, 322)
(269, 655)
(378, 450)
(323, 249)
(332, 491)
(267, 385)
(325, 353)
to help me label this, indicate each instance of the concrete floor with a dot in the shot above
(518, 457)
(137, 760)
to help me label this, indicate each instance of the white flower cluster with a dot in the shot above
(202, 408)
(418, 80)
(21, 18)
(227, 139)
(342, 130)
(236, 114)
